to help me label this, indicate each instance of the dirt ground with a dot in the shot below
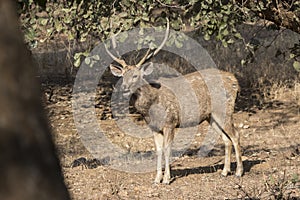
(270, 140)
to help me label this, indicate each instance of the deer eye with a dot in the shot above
(134, 76)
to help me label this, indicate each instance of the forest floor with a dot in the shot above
(270, 140)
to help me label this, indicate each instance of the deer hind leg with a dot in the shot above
(159, 141)
(168, 138)
(228, 147)
(236, 143)
(235, 140)
(230, 137)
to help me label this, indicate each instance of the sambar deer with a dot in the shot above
(157, 94)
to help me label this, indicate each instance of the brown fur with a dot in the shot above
(161, 109)
(182, 101)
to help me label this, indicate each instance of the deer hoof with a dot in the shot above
(239, 174)
(157, 179)
(166, 182)
(225, 173)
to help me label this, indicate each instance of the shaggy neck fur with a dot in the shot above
(144, 98)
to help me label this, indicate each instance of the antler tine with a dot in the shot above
(147, 56)
(164, 41)
(120, 61)
(143, 59)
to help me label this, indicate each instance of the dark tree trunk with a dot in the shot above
(29, 168)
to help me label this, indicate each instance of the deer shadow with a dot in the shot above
(218, 150)
(178, 173)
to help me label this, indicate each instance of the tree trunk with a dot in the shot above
(29, 167)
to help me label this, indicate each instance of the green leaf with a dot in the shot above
(146, 18)
(223, 26)
(230, 41)
(238, 35)
(77, 62)
(123, 14)
(87, 60)
(292, 55)
(147, 38)
(70, 36)
(296, 65)
(77, 55)
(58, 27)
(96, 57)
(141, 31)
(123, 36)
(83, 36)
(225, 32)
(204, 6)
(224, 42)
(206, 37)
(176, 24)
(139, 46)
(170, 41)
(44, 21)
(85, 16)
(178, 44)
(152, 45)
(243, 62)
(140, 41)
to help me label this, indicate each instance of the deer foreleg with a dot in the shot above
(168, 138)
(158, 139)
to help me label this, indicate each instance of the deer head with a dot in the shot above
(133, 75)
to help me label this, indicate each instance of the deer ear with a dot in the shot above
(116, 70)
(147, 68)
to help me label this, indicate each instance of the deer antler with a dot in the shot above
(147, 56)
(164, 41)
(143, 59)
(120, 61)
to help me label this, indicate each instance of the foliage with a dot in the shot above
(295, 54)
(80, 20)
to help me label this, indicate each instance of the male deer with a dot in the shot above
(157, 94)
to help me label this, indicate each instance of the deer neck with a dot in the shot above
(145, 97)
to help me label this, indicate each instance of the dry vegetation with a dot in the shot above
(266, 116)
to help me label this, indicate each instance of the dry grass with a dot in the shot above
(270, 145)
(268, 108)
